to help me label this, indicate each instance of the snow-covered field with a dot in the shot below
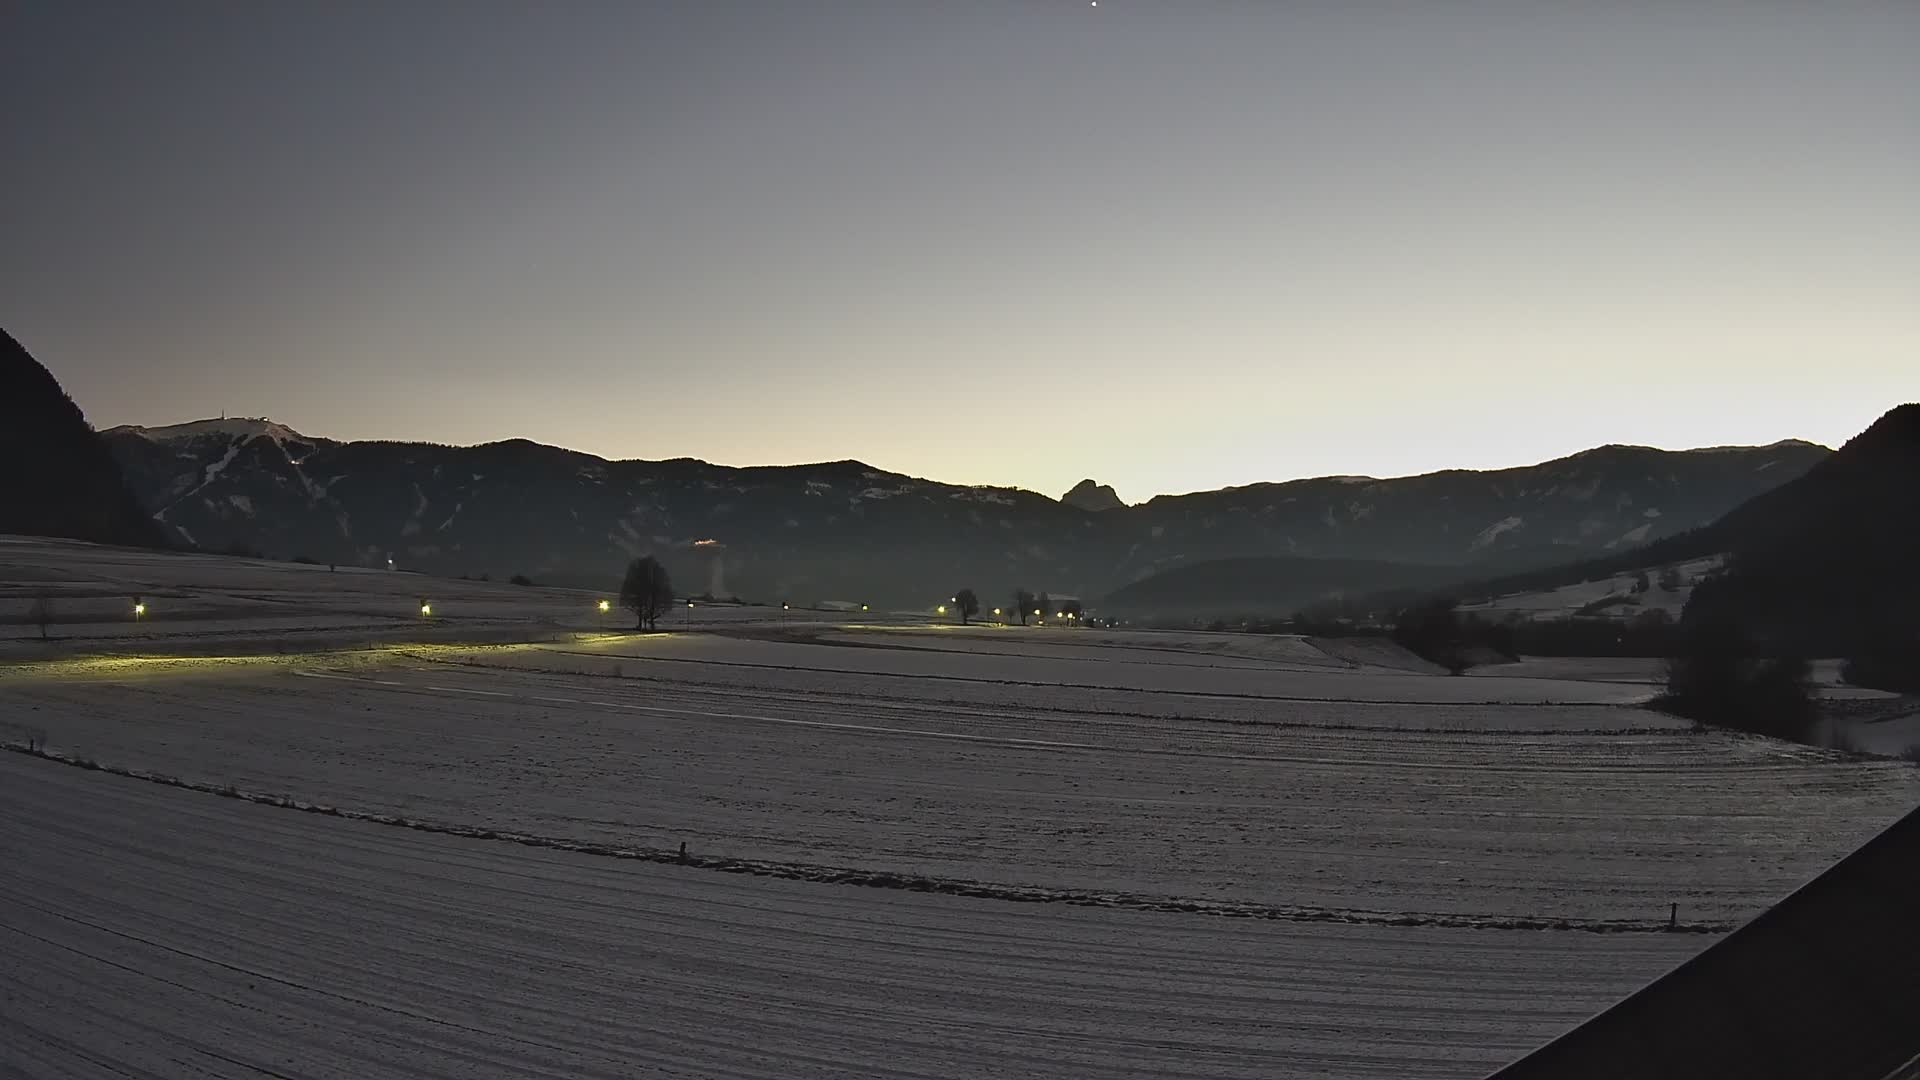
(1489, 827)
(1384, 833)
(202, 601)
(153, 932)
(1569, 599)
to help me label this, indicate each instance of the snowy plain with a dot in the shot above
(154, 932)
(1381, 830)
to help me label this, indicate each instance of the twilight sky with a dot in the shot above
(1170, 245)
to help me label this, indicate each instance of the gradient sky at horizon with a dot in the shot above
(1170, 246)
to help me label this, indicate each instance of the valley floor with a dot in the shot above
(1102, 854)
(152, 931)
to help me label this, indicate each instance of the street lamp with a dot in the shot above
(941, 610)
(689, 614)
(426, 610)
(139, 609)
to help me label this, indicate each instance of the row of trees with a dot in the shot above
(1025, 605)
(647, 591)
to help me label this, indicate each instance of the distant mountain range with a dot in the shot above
(846, 530)
(56, 477)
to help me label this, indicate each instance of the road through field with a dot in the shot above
(150, 931)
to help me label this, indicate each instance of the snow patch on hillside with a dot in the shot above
(1493, 532)
(1563, 602)
(1635, 535)
(219, 467)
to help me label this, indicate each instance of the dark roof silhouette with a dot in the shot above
(1825, 984)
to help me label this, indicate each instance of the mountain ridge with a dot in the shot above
(848, 529)
(266, 425)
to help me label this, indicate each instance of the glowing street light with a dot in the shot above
(996, 613)
(605, 607)
(139, 609)
(941, 610)
(426, 610)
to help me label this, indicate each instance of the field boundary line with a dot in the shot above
(887, 879)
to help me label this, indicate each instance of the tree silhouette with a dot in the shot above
(1023, 602)
(647, 591)
(41, 615)
(967, 604)
(1045, 606)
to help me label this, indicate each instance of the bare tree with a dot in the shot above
(1023, 602)
(967, 604)
(647, 591)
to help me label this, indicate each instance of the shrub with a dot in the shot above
(1716, 679)
(1435, 631)
(520, 579)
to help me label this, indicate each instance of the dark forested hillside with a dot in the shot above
(57, 478)
(1829, 563)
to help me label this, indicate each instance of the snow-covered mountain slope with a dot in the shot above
(1622, 596)
(846, 529)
